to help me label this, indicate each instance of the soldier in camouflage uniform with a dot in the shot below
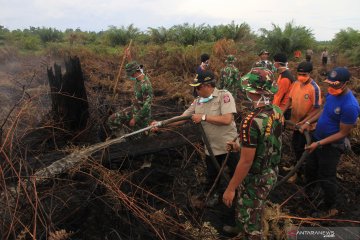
(229, 76)
(139, 114)
(264, 62)
(260, 140)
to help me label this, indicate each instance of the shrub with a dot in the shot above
(287, 41)
(348, 42)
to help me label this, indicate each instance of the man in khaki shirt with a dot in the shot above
(214, 109)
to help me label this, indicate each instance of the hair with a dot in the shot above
(204, 57)
(280, 58)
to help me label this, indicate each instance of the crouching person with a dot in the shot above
(138, 115)
(260, 145)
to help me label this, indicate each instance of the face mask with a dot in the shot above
(205, 100)
(302, 78)
(205, 64)
(335, 91)
(135, 78)
(266, 100)
(280, 67)
(263, 98)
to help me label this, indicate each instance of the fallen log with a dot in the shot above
(78, 156)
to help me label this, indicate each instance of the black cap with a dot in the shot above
(203, 77)
(280, 57)
(305, 67)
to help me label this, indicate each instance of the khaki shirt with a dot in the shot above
(222, 103)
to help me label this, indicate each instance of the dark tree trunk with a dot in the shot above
(68, 95)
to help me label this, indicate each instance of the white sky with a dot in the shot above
(325, 18)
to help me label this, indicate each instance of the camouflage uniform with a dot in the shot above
(265, 64)
(261, 129)
(229, 76)
(140, 109)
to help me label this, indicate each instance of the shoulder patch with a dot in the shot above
(226, 98)
(245, 128)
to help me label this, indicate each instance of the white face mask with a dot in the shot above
(281, 66)
(204, 100)
(263, 99)
(205, 64)
(135, 78)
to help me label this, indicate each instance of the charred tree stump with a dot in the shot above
(68, 95)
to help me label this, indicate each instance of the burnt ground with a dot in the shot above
(120, 197)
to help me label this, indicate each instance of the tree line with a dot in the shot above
(276, 39)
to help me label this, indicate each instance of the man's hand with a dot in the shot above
(154, 123)
(132, 122)
(304, 127)
(196, 118)
(228, 197)
(232, 146)
(312, 147)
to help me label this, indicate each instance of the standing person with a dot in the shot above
(256, 171)
(214, 109)
(205, 61)
(308, 54)
(324, 57)
(333, 58)
(138, 115)
(334, 123)
(229, 76)
(264, 61)
(304, 101)
(297, 54)
(284, 82)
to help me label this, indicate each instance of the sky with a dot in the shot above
(324, 18)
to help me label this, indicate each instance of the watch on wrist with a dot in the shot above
(203, 117)
(307, 122)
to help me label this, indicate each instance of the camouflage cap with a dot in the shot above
(263, 51)
(230, 59)
(132, 68)
(265, 64)
(259, 80)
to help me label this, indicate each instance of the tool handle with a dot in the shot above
(172, 120)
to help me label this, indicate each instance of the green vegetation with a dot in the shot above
(277, 39)
(290, 39)
(348, 42)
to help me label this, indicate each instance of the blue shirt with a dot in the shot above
(198, 70)
(337, 109)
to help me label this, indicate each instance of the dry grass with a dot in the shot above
(33, 211)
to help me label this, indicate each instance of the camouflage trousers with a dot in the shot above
(122, 118)
(252, 195)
